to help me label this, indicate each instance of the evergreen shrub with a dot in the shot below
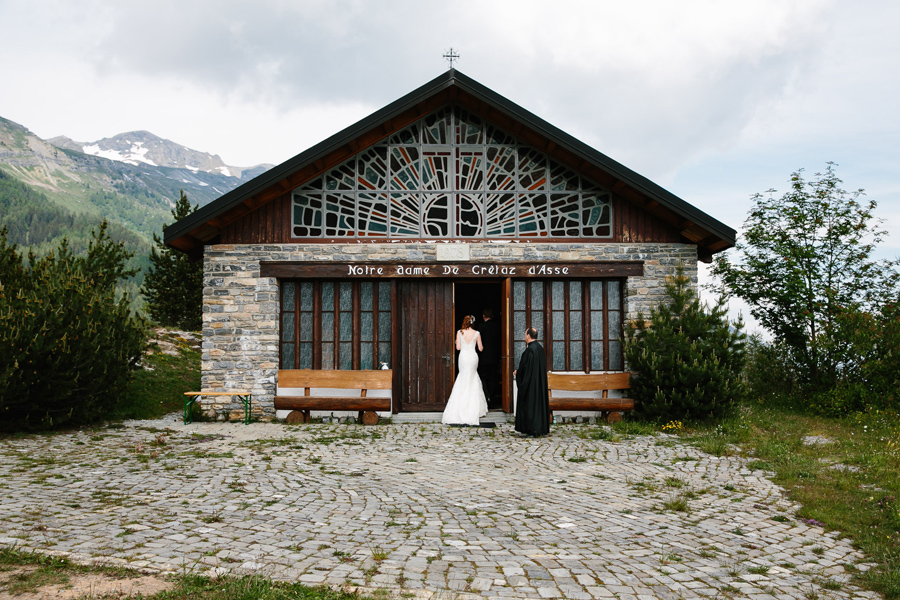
(173, 286)
(68, 341)
(686, 359)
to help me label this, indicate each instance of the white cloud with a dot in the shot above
(714, 100)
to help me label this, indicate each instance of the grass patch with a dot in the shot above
(378, 553)
(860, 502)
(51, 571)
(628, 427)
(600, 433)
(160, 391)
(677, 504)
(715, 445)
(40, 570)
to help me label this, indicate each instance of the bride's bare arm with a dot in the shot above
(458, 336)
(478, 341)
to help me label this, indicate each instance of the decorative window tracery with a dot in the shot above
(451, 175)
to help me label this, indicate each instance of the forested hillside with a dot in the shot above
(49, 192)
(139, 197)
(34, 222)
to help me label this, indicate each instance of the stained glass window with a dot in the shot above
(451, 175)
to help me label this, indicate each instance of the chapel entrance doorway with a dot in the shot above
(472, 298)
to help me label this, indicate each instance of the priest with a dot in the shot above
(533, 399)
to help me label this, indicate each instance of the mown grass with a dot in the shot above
(849, 481)
(160, 391)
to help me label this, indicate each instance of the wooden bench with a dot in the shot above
(243, 395)
(300, 406)
(584, 382)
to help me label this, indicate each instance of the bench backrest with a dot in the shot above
(352, 380)
(584, 382)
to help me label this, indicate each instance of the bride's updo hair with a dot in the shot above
(468, 320)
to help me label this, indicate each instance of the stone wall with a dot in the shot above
(240, 308)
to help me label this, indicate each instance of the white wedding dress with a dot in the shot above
(467, 403)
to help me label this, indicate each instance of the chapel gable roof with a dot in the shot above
(693, 225)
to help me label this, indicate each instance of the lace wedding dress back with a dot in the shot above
(467, 403)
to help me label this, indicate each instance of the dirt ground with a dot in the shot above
(15, 585)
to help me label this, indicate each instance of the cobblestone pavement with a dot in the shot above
(420, 510)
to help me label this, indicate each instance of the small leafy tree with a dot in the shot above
(68, 340)
(804, 259)
(686, 360)
(174, 286)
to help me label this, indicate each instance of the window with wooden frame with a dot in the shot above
(344, 325)
(579, 322)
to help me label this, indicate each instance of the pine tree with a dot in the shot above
(174, 286)
(686, 362)
(68, 340)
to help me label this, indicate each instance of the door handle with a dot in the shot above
(446, 357)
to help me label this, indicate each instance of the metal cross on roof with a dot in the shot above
(451, 55)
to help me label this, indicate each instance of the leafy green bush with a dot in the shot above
(868, 347)
(840, 400)
(68, 342)
(769, 372)
(686, 361)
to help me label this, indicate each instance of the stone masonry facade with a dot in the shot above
(241, 309)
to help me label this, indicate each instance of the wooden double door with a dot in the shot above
(430, 312)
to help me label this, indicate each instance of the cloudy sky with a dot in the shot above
(712, 100)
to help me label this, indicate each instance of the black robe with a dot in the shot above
(533, 403)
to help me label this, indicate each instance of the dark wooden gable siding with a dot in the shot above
(631, 223)
(271, 224)
(268, 224)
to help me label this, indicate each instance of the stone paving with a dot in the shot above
(420, 510)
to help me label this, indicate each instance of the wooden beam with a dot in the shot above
(718, 245)
(186, 243)
(408, 270)
(204, 233)
(694, 233)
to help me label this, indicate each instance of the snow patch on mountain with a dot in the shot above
(135, 155)
(144, 148)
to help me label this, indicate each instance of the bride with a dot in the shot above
(467, 403)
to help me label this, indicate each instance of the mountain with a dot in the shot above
(132, 179)
(35, 223)
(60, 188)
(142, 147)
